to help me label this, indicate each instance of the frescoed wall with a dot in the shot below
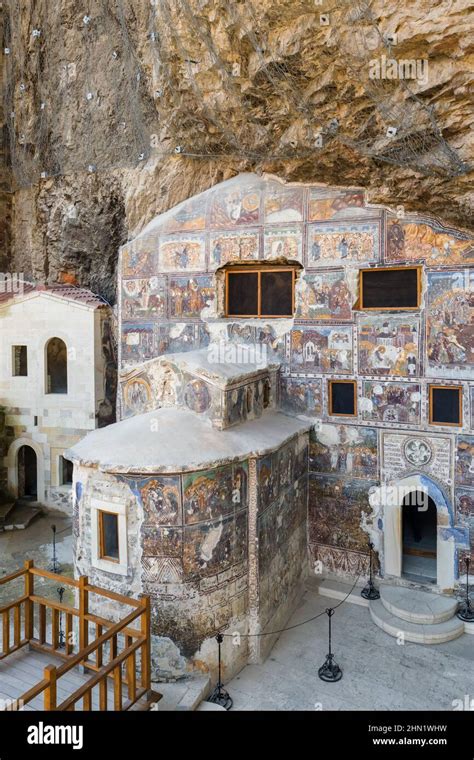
(173, 301)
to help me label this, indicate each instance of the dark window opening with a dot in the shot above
(260, 292)
(27, 473)
(65, 471)
(109, 536)
(56, 366)
(267, 391)
(445, 405)
(390, 288)
(342, 398)
(20, 361)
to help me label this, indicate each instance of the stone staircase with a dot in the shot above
(17, 515)
(421, 617)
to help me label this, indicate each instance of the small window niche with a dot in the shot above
(342, 398)
(108, 536)
(397, 288)
(446, 405)
(20, 361)
(65, 471)
(261, 292)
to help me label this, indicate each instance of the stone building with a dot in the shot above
(296, 369)
(56, 384)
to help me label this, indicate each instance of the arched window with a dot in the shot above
(56, 366)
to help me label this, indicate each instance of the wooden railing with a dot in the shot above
(112, 655)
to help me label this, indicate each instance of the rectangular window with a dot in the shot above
(342, 398)
(108, 536)
(390, 288)
(20, 361)
(445, 405)
(65, 471)
(260, 292)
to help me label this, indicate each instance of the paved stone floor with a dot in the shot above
(379, 674)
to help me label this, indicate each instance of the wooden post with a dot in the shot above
(145, 650)
(29, 591)
(83, 611)
(50, 694)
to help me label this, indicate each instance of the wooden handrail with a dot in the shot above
(112, 595)
(53, 605)
(12, 576)
(54, 576)
(16, 603)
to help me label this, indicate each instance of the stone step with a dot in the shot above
(418, 633)
(5, 510)
(21, 516)
(416, 606)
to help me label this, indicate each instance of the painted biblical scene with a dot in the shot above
(244, 402)
(335, 511)
(161, 499)
(234, 206)
(346, 449)
(300, 395)
(139, 257)
(450, 323)
(324, 295)
(465, 460)
(322, 349)
(138, 342)
(144, 298)
(187, 217)
(326, 204)
(389, 346)
(390, 402)
(428, 241)
(209, 547)
(189, 295)
(182, 253)
(464, 500)
(333, 244)
(283, 204)
(137, 396)
(158, 541)
(233, 246)
(184, 337)
(283, 242)
(268, 481)
(209, 494)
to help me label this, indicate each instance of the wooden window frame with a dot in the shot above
(102, 554)
(338, 414)
(259, 269)
(361, 306)
(460, 389)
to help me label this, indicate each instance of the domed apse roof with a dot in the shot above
(177, 440)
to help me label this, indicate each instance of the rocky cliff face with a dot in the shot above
(100, 94)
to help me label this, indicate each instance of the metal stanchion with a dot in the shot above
(220, 696)
(330, 671)
(466, 610)
(369, 591)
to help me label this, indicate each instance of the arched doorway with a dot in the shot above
(419, 527)
(56, 366)
(27, 465)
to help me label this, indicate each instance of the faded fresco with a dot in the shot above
(180, 253)
(391, 402)
(301, 396)
(322, 349)
(343, 243)
(325, 204)
(449, 324)
(389, 345)
(324, 295)
(428, 241)
(345, 449)
(233, 246)
(283, 242)
(189, 295)
(465, 460)
(284, 204)
(144, 298)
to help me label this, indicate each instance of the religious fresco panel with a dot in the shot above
(235, 206)
(333, 244)
(283, 204)
(322, 349)
(283, 242)
(464, 502)
(335, 511)
(450, 323)
(144, 298)
(161, 499)
(162, 542)
(390, 402)
(300, 395)
(139, 258)
(137, 395)
(211, 493)
(268, 481)
(465, 460)
(324, 295)
(427, 240)
(346, 449)
(326, 204)
(245, 402)
(138, 342)
(187, 217)
(389, 345)
(242, 245)
(189, 295)
(182, 253)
